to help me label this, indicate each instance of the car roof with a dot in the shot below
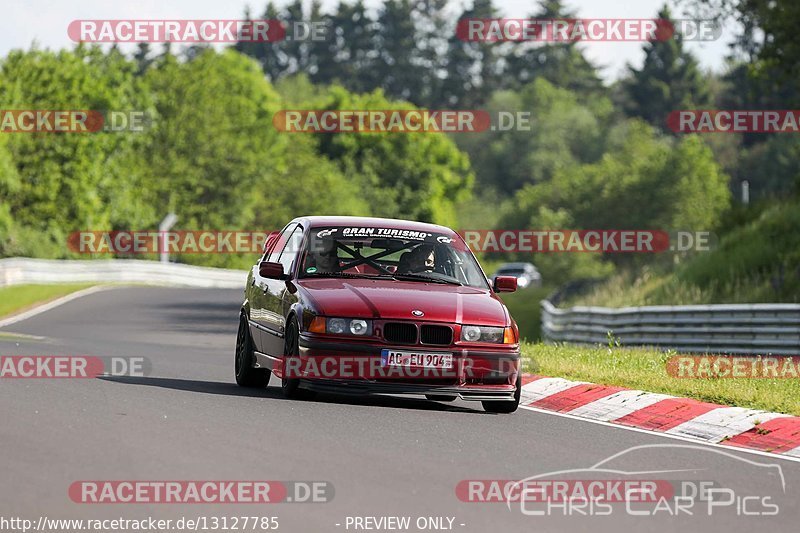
(390, 223)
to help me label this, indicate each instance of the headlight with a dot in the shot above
(482, 334)
(341, 326)
(337, 326)
(359, 327)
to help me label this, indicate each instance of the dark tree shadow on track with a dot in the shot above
(189, 385)
(274, 393)
(200, 317)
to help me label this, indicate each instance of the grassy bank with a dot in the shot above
(645, 369)
(524, 307)
(22, 297)
(757, 261)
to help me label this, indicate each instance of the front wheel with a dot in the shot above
(291, 348)
(246, 375)
(505, 407)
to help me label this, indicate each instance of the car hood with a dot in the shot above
(395, 300)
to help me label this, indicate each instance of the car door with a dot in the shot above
(272, 320)
(258, 292)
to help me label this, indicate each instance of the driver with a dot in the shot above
(325, 257)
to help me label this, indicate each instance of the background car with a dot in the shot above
(526, 273)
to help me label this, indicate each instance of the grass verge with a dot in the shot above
(23, 297)
(645, 369)
(757, 261)
(524, 306)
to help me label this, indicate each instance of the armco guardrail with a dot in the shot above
(18, 270)
(734, 328)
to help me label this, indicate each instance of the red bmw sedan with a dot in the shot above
(377, 306)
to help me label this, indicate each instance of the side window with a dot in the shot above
(269, 244)
(291, 249)
(281, 242)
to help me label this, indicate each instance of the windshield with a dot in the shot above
(405, 255)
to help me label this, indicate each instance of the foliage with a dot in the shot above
(415, 175)
(411, 51)
(669, 80)
(565, 131)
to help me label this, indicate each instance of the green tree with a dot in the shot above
(669, 80)
(74, 181)
(421, 176)
(9, 187)
(472, 69)
(213, 150)
(270, 55)
(565, 130)
(643, 181)
(562, 64)
(397, 72)
(353, 55)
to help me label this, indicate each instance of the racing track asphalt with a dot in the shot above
(385, 456)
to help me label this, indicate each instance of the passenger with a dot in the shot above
(420, 259)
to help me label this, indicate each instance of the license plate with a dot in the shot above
(416, 359)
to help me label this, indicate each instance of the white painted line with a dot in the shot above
(721, 423)
(619, 404)
(794, 452)
(542, 388)
(51, 305)
(785, 456)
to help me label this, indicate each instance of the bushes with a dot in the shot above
(211, 155)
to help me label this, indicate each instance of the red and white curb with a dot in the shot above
(662, 413)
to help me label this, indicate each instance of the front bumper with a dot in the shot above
(480, 374)
(465, 392)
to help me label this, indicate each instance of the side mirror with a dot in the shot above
(505, 284)
(271, 270)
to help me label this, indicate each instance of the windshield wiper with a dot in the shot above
(420, 277)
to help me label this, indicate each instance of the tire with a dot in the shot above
(505, 407)
(246, 375)
(441, 397)
(291, 348)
